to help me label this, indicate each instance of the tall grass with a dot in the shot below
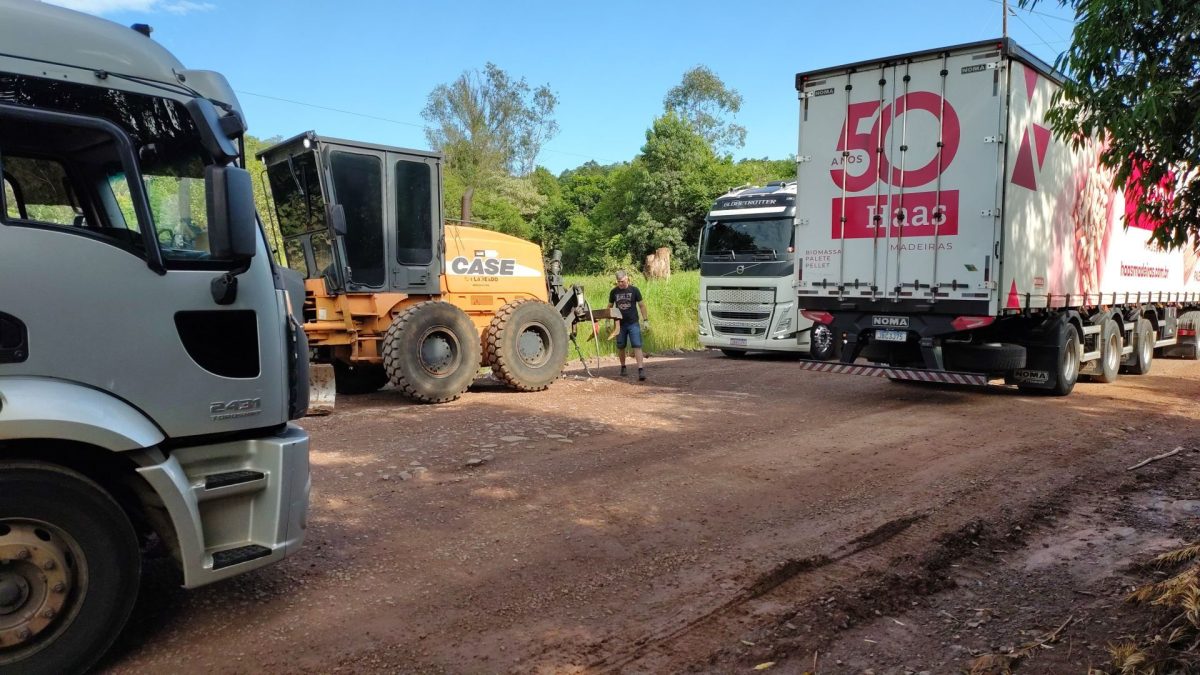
(673, 305)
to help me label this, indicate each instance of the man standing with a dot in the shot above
(628, 299)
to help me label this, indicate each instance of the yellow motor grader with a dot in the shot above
(392, 293)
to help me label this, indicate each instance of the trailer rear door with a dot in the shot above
(899, 183)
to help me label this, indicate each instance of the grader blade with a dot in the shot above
(322, 389)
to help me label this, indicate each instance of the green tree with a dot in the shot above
(488, 124)
(703, 99)
(1134, 69)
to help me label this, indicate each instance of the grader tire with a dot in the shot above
(526, 344)
(431, 352)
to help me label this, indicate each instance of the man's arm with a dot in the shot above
(641, 303)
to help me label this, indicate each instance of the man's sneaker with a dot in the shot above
(642, 374)
(623, 371)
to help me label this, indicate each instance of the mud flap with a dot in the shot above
(1042, 357)
(322, 390)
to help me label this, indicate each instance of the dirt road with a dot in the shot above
(723, 514)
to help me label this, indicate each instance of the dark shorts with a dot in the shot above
(632, 332)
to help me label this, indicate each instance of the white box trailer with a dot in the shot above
(946, 234)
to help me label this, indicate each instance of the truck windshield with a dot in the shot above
(762, 239)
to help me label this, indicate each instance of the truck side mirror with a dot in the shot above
(212, 134)
(232, 226)
(337, 219)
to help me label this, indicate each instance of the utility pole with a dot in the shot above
(1004, 21)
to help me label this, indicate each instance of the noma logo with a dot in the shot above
(1032, 376)
(889, 321)
(481, 266)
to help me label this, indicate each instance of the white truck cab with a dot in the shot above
(748, 273)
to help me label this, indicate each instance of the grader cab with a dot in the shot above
(394, 294)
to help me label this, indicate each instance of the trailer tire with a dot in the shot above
(69, 552)
(1143, 353)
(431, 352)
(822, 343)
(993, 357)
(526, 344)
(734, 353)
(1109, 366)
(358, 379)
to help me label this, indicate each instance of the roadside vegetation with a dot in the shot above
(672, 303)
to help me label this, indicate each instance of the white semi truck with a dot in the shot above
(946, 234)
(748, 273)
(149, 364)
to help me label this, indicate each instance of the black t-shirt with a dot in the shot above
(626, 300)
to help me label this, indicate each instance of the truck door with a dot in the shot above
(415, 226)
(898, 181)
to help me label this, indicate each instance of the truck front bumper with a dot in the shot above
(234, 506)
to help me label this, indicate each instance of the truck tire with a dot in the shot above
(822, 345)
(526, 344)
(1109, 366)
(358, 379)
(1143, 353)
(1067, 371)
(69, 569)
(431, 352)
(734, 353)
(992, 357)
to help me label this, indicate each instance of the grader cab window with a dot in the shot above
(414, 218)
(358, 186)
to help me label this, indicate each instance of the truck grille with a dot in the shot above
(740, 311)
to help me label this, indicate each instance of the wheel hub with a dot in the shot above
(532, 345)
(439, 353)
(35, 581)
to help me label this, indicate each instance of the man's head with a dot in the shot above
(622, 279)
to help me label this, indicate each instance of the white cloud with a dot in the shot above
(102, 7)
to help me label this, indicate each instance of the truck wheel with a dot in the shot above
(358, 379)
(733, 353)
(1068, 363)
(1143, 354)
(1110, 354)
(526, 344)
(993, 357)
(69, 569)
(822, 344)
(431, 352)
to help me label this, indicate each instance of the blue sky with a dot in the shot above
(610, 63)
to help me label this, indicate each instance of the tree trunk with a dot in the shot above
(658, 264)
(467, 198)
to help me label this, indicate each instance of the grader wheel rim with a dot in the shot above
(42, 579)
(533, 345)
(439, 353)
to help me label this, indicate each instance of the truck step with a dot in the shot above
(241, 554)
(220, 480)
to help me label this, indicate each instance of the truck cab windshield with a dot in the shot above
(771, 239)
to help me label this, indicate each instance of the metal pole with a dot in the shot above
(1004, 21)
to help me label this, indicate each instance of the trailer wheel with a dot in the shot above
(431, 352)
(822, 344)
(1109, 366)
(733, 353)
(1068, 362)
(994, 357)
(1143, 355)
(69, 569)
(526, 344)
(358, 379)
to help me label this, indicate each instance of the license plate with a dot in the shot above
(891, 335)
(740, 342)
